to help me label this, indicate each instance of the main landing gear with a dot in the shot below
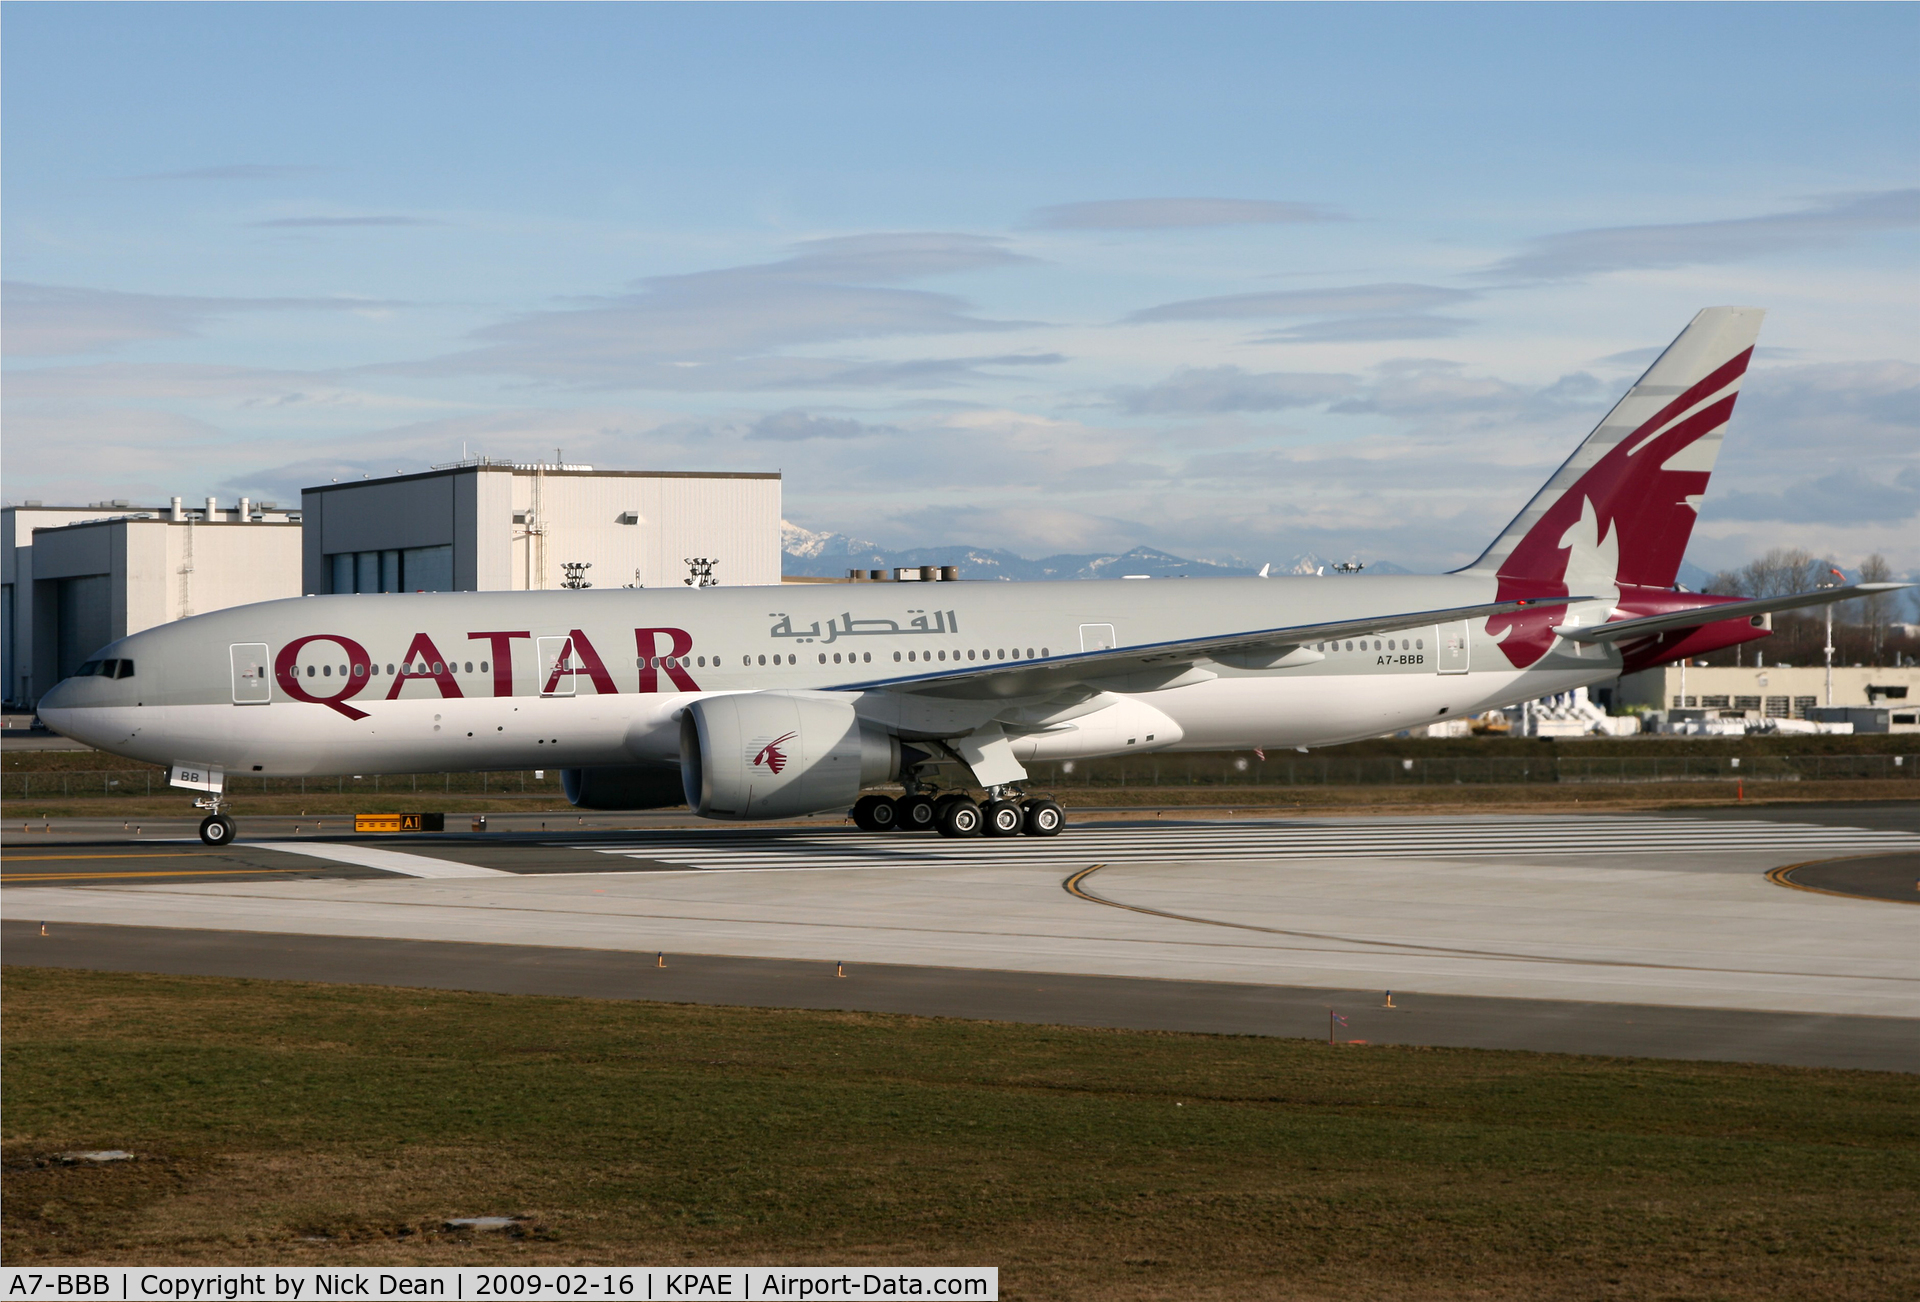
(1005, 813)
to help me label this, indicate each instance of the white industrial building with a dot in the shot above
(483, 525)
(1774, 691)
(77, 578)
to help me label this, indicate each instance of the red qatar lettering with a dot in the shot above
(287, 674)
(423, 651)
(502, 658)
(579, 648)
(679, 642)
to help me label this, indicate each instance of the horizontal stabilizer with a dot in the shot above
(1648, 625)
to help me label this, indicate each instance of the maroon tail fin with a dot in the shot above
(1619, 513)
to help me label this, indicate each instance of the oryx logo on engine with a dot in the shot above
(770, 756)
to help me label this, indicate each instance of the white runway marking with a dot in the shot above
(367, 856)
(1411, 838)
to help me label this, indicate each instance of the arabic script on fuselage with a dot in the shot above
(845, 625)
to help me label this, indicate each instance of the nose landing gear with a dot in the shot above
(216, 828)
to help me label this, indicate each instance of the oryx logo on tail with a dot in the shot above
(1618, 514)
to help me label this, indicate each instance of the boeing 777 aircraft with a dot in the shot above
(768, 703)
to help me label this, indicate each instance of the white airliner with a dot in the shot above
(768, 703)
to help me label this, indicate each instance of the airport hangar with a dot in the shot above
(77, 578)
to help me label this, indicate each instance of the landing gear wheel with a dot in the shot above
(874, 814)
(1001, 818)
(1044, 818)
(216, 829)
(913, 814)
(959, 816)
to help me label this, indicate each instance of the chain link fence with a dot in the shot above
(541, 783)
(1387, 770)
(1201, 770)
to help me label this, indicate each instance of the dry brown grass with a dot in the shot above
(302, 1124)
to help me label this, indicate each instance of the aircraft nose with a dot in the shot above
(56, 708)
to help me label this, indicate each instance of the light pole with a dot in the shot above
(1843, 578)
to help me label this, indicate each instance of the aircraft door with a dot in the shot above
(1452, 648)
(252, 684)
(556, 666)
(1097, 637)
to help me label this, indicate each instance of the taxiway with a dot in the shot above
(1665, 935)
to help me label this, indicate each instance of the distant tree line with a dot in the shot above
(1869, 631)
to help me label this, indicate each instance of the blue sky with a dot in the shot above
(1233, 281)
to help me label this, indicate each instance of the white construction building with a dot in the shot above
(77, 578)
(484, 525)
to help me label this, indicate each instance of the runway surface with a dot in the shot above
(1540, 1025)
(1608, 933)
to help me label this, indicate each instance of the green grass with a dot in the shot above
(306, 1124)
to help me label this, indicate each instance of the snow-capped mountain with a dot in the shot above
(811, 554)
(805, 544)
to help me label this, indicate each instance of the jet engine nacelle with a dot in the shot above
(779, 755)
(627, 786)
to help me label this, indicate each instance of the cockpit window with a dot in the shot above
(87, 670)
(126, 669)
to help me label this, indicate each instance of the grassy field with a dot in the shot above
(304, 1124)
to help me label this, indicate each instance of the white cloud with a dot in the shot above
(721, 329)
(64, 320)
(1620, 248)
(1369, 329)
(1161, 214)
(795, 426)
(389, 220)
(1368, 300)
(1230, 388)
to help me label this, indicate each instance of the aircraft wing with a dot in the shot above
(1648, 625)
(1169, 660)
